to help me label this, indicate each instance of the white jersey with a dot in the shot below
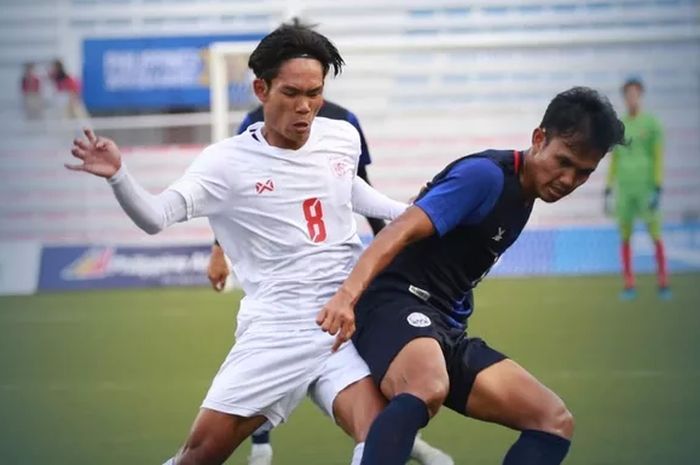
(284, 217)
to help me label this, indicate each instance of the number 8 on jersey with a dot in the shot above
(313, 212)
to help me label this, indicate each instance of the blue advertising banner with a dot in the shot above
(544, 252)
(593, 251)
(155, 73)
(98, 267)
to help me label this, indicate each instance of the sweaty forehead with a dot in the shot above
(303, 73)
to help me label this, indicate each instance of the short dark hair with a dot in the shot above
(293, 41)
(633, 82)
(585, 119)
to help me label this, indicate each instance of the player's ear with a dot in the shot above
(539, 139)
(260, 88)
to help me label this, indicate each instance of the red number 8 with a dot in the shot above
(313, 212)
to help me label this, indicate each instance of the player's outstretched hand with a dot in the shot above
(99, 156)
(337, 317)
(217, 271)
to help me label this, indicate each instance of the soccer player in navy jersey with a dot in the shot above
(411, 290)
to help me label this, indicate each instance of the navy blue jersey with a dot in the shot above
(478, 210)
(328, 110)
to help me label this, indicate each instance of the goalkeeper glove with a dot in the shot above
(608, 202)
(655, 199)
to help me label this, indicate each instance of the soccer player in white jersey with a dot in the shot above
(279, 198)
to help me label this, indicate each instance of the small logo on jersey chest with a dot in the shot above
(499, 235)
(261, 187)
(418, 320)
(339, 166)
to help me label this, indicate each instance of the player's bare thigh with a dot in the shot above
(418, 369)
(505, 393)
(214, 437)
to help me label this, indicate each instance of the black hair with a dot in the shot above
(585, 119)
(633, 82)
(293, 41)
(60, 70)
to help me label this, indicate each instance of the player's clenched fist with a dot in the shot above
(337, 317)
(98, 155)
(217, 271)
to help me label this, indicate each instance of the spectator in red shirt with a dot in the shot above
(69, 87)
(31, 92)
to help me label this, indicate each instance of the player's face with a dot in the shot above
(633, 99)
(556, 169)
(291, 102)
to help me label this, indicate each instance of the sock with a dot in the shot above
(357, 454)
(661, 273)
(393, 432)
(537, 448)
(170, 461)
(261, 438)
(627, 264)
(261, 450)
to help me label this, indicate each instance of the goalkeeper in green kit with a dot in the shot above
(635, 177)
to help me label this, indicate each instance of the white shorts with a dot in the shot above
(269, 371)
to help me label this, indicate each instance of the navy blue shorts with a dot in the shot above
(388, 319)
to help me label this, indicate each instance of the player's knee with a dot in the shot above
(433, 392)
(557, 420)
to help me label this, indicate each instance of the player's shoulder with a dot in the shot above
(333, 125)
(338, 130)
(234, 146)
(652, 120)
(489, 164)
(334, 111)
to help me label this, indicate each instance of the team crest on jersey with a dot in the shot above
(261, 187)
(499, 235)
(340, 167)
(418, 320)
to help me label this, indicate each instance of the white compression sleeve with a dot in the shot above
(151, 213)
(369, 202)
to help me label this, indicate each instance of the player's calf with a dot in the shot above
(214, 437)
(356, 407)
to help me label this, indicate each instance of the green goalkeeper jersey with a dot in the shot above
(638, 165)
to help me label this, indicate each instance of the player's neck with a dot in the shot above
(277, 140)
(526, 184)
(633, 113)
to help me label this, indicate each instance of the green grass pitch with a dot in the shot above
(100, 378)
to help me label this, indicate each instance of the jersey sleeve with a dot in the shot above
(204, 185)
(465, 195)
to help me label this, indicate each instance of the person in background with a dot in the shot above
(636, 178)
(67, 88)
(30, 85)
